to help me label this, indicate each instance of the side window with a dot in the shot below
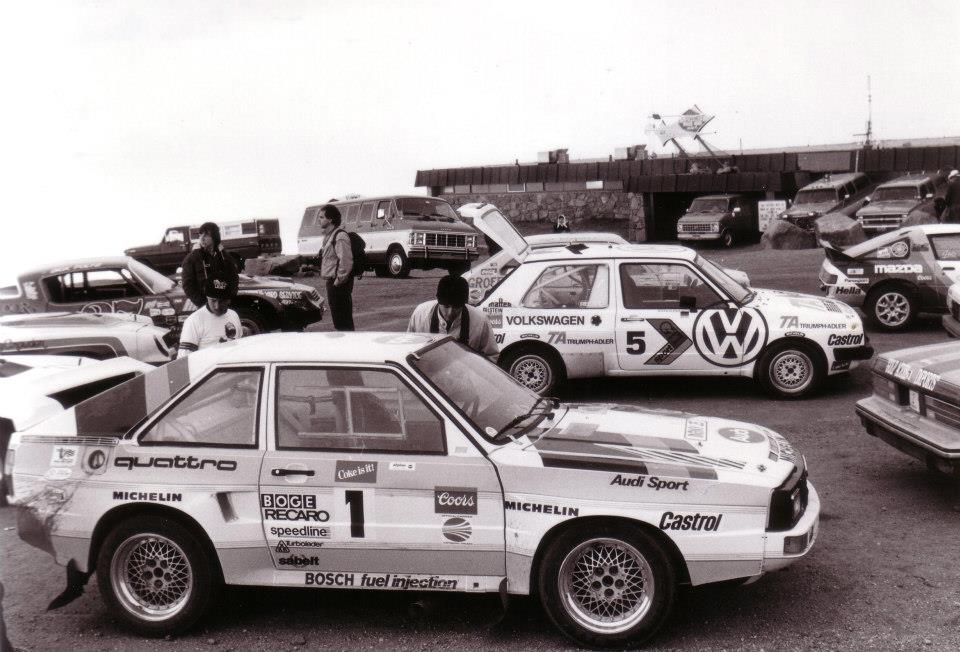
(220, 411)
(383, 210)
(946, 247)
(316, 216)
(366, 213)
(65, 288)
(353, 210)
(70, 397)
(570, 286)
(174, 236)
(108, 284)
(353, 409)
(648, 286)
(194, 234)
(248, 228)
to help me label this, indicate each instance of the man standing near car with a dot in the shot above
(450, 313)
(208, 260)
(951, 211)
(336, 268)
(211, 324)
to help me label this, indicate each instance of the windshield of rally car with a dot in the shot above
(737, 292)
(484, 392)
(157, 282)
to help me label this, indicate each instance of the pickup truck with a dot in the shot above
(242, 240)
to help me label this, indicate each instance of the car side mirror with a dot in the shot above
(688, 302)
(846, 197)
(929, 195)
(866, 200)
(736, 209)
(789, 203)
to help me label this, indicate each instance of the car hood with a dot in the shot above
(781, 301)
(805, 209)
(637, 440)
(271, 283)
(72, 320)
(703, 217)
(887, 207)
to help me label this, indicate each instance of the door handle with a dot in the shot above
(949, 269)
(282, 472)
(633, 319)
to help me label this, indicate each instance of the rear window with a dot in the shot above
(946, 247)
(8, 368)
(70, 397)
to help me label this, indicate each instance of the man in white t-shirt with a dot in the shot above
(211, 324)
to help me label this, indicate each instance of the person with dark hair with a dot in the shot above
(336, 268)
(951, 204)
(450, 313)
(561, 226)
(213, 323)
(208, 260)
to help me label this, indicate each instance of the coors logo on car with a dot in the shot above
(454, 500)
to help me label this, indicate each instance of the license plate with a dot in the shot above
(915, 401)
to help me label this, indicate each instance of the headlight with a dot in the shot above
(471, 241)
(418, 238)
(715, 227)
(811, 214)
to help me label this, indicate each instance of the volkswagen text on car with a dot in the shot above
(402, 462)
(654, 310)
(897, 275)
(915, 405)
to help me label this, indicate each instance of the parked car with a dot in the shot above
(892, 202)
(123, 285)
(656, 310)
(951, 320)
(896, 276)
(403, 462)
(243, 239)
(843, 193)
(35, 387)
(94, 336)
(401, 233)
(483, 276)
(915, 406)
(719, 218)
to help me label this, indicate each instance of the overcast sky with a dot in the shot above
(122, 118)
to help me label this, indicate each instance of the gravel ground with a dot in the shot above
(883, 574)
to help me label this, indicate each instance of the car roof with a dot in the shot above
(910, 180)
(725, 196)
(32, 323)
(833, 181)
(79, 264)
(333, 347)
(613, 251)
(582, 237)
(379, 198)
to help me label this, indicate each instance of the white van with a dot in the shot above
(401, 233)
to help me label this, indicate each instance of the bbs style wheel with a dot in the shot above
(891, 308)
(155, 575)
(607, 585)
(538, 370)
(789, 370)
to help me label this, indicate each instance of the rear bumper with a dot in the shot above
(921, 438)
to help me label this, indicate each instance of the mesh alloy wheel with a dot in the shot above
(151, 576)
(791, 371)
(533, 372)
(606, 585)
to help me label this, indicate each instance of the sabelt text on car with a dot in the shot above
(402, 462)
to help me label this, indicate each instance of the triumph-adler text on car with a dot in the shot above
(403, 462)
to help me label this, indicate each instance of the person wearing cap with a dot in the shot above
(951, 210)
(206, 261)
(213, 323)
(450, 313)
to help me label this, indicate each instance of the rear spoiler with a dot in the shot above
(834, 255)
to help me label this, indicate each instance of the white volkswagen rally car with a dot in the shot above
(400, 462)
(655, 310)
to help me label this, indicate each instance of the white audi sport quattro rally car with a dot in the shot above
(97, 336)
(896, 276)
(402, 462)
(35, 387)
(915, 406)
(655, 310)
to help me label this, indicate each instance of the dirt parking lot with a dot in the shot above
(883, 574)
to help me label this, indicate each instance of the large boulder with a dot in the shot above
(923, 215)
(781, 234)
(272, 266)
(839, 230)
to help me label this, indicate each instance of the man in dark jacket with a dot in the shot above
(209, 260)
(951, 211)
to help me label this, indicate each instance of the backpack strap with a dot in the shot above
(464, 336)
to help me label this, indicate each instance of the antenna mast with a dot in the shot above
(868, 134)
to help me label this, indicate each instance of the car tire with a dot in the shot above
(727, 239)
(538, 369)
(397, 264)
(607, 585)
(251, 322)
(156, 576)
(891, 308)
(789, 370)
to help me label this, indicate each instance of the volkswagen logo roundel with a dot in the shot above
(730, 337)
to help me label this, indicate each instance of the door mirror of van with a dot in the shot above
(736, 209)
(688, 302)
(846, 197)
(866, 200)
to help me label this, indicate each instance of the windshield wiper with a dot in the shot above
(513, 423)
(419, 216)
